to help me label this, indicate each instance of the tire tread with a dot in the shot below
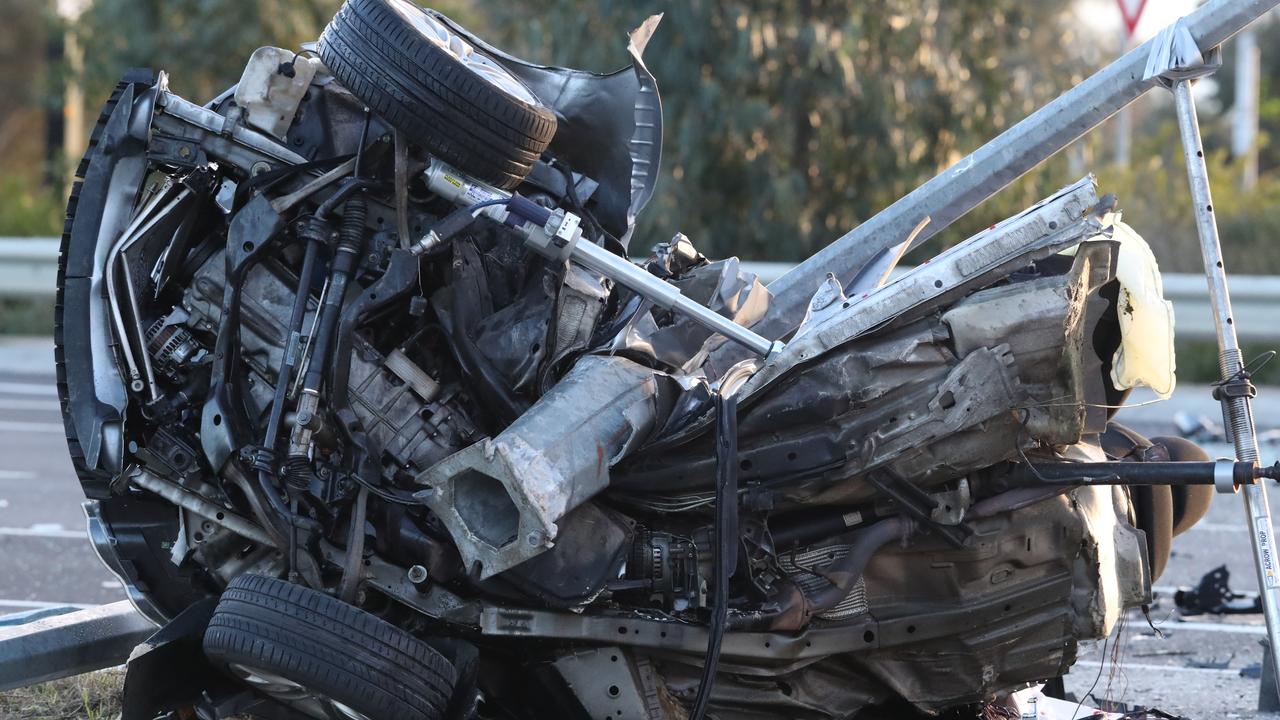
(437, 102)
(320, 642)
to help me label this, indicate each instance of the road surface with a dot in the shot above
(1190, 666)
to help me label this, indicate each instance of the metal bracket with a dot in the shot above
(1175, 56)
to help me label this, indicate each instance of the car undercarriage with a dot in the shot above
(353, 361)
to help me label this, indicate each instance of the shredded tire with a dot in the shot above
(432, 97)
(330, 648)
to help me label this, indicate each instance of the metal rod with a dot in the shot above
(633, 277)
(1223, 473)
(991, 167)
(1237, 413)
(468, 192)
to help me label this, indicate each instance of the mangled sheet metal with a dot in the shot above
(363, 335)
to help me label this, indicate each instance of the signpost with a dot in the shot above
(1130, 13)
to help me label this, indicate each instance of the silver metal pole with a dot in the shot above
(666, 295)
(982, 174)
(463, 191)
(1237, 413)
(1123, 121)
(1244, 121)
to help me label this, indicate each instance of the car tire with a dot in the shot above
(443, 94)
(324, 657)
(1190, 502)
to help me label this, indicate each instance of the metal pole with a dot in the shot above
(1244, 121)
(982, 174)
(1123, 120)
(1237, 413)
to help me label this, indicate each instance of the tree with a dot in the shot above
(1269, 105)
(203, 44)
(788, 123)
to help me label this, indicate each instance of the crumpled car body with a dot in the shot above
(302, 354)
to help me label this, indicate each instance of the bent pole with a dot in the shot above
(991, 167)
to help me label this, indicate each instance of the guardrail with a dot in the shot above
(28, 269)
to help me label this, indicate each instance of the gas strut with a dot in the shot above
(557, 235)
(1226, 475)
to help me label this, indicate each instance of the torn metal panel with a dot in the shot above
(1053, 225)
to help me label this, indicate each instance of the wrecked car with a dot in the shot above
(366, 395)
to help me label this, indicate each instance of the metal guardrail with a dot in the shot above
(50, 647)
(28, 269)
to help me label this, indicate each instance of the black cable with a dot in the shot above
(364, 139)
(387, 495)
(487, 203)
(571, 191)
(725, 557)
(349, 186)
(1102, 663)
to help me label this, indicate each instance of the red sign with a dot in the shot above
(1131, 11)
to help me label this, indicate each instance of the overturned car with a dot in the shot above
(356, 373)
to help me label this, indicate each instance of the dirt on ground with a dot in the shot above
(95, 696)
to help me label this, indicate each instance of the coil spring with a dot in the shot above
(1240, 414)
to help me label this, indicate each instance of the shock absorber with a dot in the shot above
(345, 258)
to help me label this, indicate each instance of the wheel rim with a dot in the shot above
(294, 695)
(462, 51)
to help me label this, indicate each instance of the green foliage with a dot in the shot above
(203, 44)
(26, 210)
(1156, 200)
(788, 123)
(1198, 361)
(1269, 107)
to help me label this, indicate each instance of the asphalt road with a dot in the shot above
(45, 558)
(1188, 666)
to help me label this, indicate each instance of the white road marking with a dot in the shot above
(46, 405)
(1220, 527)
(1227, 628)
(42, 428)
(41, 605)
(1162, 668)
(16, 475)
(45, 532)
(14, 388)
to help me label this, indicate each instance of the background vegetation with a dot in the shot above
(787, 123)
